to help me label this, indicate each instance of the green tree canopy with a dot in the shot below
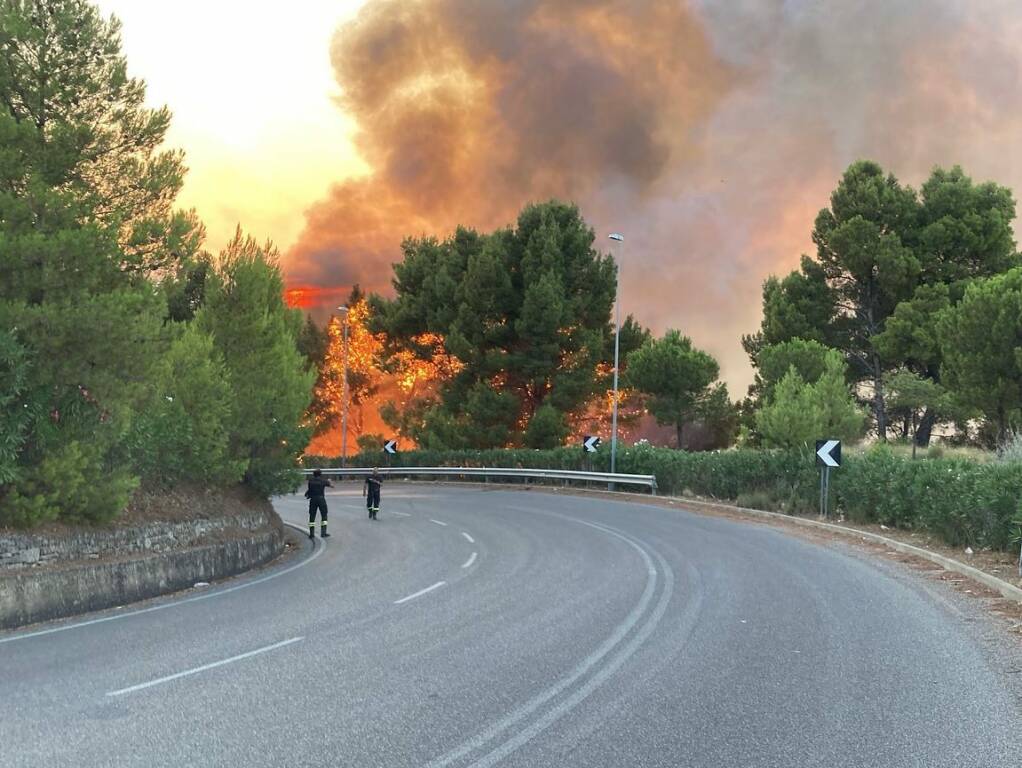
(800, 413)
(256, 334)
(981, 347)
(719, 416)
(16, 415)
(908, 392)
(99, 362)
(76, 144)
(75, 121)
(964, 229)
(546, 428)
(887, 261)
(184, 435)
(675, 376)
(525, 311)
(800, 306)
(807, 357)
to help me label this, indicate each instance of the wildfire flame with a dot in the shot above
(312, 297)
(413, 371)
(370, 385)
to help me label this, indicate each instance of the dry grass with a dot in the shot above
(935, 451)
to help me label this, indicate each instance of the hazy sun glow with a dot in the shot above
(252, 92)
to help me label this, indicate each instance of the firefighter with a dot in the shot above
(316, 494)
(371, 490)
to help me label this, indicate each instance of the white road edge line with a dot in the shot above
(203, 668)
(172, 603)
(401, 514)
(470, 539)
(420, 593)
(468, 563)
(438, 522)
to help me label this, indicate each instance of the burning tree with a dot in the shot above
(525, 313)
(360, 354)
(380, 384)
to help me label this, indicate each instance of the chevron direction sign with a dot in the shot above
(390, 447)
(828, 453)
(590, 443)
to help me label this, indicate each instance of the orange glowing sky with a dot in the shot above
(253, 97)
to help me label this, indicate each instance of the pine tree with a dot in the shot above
(256, 334)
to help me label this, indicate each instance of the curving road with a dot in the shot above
(472, 627)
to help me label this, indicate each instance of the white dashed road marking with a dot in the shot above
(203, 668)
(420, 593)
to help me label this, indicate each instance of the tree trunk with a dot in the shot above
(680, 426)
(925, 428)
(913, 432)
(879, 408)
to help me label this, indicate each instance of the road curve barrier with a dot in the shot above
(496, 473)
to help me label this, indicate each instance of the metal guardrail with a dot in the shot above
(648, 481)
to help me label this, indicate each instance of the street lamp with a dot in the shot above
(617, 238)
(344, 408)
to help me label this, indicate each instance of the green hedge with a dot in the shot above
(961, 501)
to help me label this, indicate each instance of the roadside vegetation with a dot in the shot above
(133, 358)
(961, 501)
(905, 324)
(130, 358)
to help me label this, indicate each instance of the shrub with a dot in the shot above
(15, 414)
(183, 435)
(964, 502)
(72, 483)
(546, 428)
(759, 500)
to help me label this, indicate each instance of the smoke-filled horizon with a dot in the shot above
(709, 132)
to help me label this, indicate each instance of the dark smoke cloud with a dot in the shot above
(710, 132)
(468, 109)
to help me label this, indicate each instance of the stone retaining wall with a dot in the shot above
(45, 577)
(18, 550)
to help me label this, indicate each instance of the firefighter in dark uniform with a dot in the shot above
(316, 494)
(371, 490)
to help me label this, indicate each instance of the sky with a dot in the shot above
(709, 132)
(254, 101)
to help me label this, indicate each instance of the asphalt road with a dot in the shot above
(478, 627)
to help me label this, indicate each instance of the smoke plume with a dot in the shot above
(709, 132)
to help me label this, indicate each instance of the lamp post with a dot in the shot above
(343, 411)
(617, 238)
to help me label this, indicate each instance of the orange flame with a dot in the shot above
(369, 385)
(312, 297)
